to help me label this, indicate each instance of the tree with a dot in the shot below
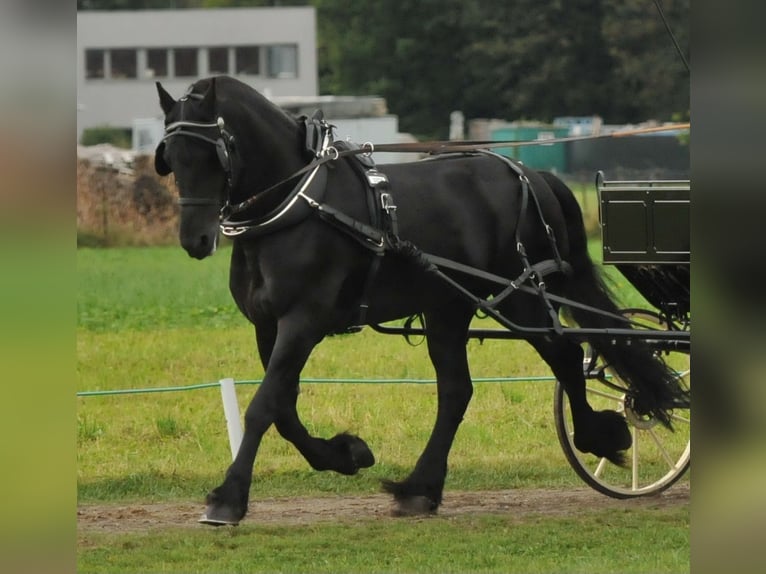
(404, 51)
(538, 60)
(650, 80)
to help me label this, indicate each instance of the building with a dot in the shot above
(120, 54)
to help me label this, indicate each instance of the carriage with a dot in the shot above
(645, 235)
(326, 242)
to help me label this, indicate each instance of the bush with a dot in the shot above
(118, 137)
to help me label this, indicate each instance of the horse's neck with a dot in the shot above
(269, 155)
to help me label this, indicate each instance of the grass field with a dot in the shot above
(154, 318)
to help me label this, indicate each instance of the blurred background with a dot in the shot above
(384, 72)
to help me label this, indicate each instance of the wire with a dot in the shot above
(672, 36)
(308, 380)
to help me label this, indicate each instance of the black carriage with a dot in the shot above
(645, 235)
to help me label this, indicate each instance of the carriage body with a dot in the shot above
(645, 235)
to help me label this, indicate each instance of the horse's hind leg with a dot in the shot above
(421, 491)
(603, 433)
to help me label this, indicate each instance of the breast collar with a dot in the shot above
(299, 203)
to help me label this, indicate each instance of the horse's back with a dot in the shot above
(468, 208)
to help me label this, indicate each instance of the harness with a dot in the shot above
(380, 235)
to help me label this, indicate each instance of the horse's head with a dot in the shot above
(197, 149)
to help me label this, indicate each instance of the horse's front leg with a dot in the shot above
(344, 453)
(293, 343)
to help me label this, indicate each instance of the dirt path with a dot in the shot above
(117, 518)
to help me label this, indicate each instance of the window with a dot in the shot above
(185, 60)
(218, 60)
(156, 63)
(247, 60)
(282, 61)
(94, 64)
(123, 63)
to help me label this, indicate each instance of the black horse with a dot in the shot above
(314, 255)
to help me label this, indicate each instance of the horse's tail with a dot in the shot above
(655, 385)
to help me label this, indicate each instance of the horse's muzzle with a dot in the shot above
(200, 246)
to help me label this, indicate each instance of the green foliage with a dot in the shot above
(522, 59)
(684, 138)
(119, 137)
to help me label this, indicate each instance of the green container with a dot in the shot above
(538, 156)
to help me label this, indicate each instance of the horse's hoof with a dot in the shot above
(351, 454)
(414, 506)
(361, 453)
(213, 522)
(219, 516)
(607, 437)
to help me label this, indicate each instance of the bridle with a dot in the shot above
(223, 146)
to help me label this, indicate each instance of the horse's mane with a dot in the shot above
(229, 89)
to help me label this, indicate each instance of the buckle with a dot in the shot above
(387, 202)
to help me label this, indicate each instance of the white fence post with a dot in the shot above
(231, 411)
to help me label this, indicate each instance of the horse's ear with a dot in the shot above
(208, 100)
(166, 100)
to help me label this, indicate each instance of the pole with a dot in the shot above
(231, 411)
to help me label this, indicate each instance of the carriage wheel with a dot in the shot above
(658, 456)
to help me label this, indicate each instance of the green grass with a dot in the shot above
(592, 542)
(152, 317)
(152, 288)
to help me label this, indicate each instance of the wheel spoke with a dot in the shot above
(677, 417)
(600, 468)
(663, 451)
(604, 394)
(634, 475)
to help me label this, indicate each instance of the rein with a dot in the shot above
(329, 153)
(436, 147)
